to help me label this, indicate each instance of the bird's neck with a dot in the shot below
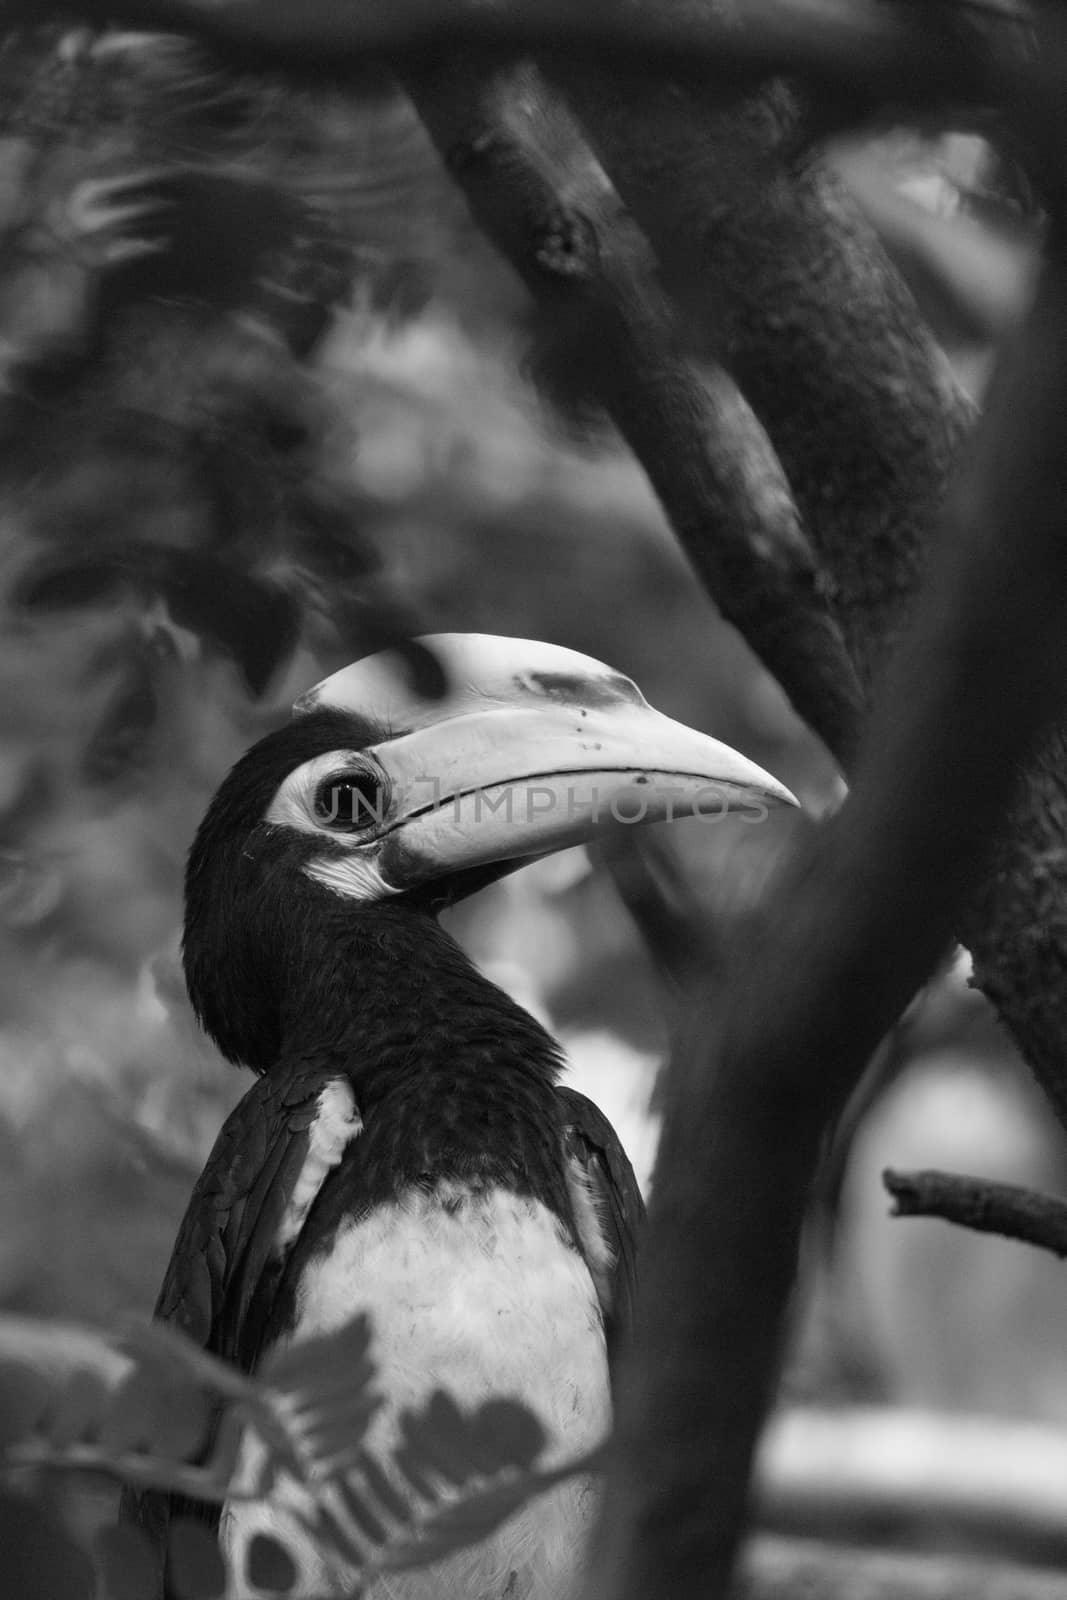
(455, 1083)
(391, 999)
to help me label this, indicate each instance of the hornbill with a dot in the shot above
(406, 1149)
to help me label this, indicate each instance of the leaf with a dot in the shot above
(364, 1516)
(195, 1567)
(330, 555)
(506, 1433)
(501, 1438)
(474, 1517)
(59, 585)
(318, 1394)
(30, 889)
(177, 1356)
(222, 231)
(331, 1448)
(25, 1397)
(408, 1460)
(383, 1488)
(57, 1349)
(270, 1566)
(56, 1382)
(155, 1412)
(119, 739)
(401, 290)
(302, 1367)
(461, 1523)
(77, 1409)
(333, 1536)
(140, 1425)
(127, 1425)
(439, 1437)
(253, 620)
(143, 1424)
(87, 1407)
(40, 1560)
(127, 1563)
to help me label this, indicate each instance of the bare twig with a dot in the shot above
(546, 203)
(862, 918)
(1003, 1208)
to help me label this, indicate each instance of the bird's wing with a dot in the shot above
(250, 1202)
(608, 1209)
(269, 1162)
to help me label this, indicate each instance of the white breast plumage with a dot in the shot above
(482, 1295)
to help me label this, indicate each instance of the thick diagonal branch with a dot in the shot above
(777, 267)
(543, 200)
(861, 919)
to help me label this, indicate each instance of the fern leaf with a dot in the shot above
(156, 1344)
(383, 1488)
(333, 1446)
(472, 1518)
(439, 1438)
(136, 1407)
(146, 1414)
(126, 1561)
(270, 1566)
(303, 1367)
(372, 1524)
(504, 1433)
(317, 1402)
(195, 1567)
(461, 1523)
(354, 1505)
(78, 1408)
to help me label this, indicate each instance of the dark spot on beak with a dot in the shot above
(570, 689)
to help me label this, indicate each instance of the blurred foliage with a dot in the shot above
(264, 406)
(155, 1410)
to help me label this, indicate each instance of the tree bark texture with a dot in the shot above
(540, 196)
(789, 286)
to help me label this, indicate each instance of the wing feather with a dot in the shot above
(270, 1159)
(606, 1193)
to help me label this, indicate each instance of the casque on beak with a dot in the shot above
(532, 749)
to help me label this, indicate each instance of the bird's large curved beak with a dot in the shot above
(506, 784)
(490, 776)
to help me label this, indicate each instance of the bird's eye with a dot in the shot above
(349, 801)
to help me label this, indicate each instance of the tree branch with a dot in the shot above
(828, 346)
(862, 917)
(876, 53)
(783, 278)
(547, 205)
(1004, 1208)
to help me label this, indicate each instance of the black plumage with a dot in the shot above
(454, 1084)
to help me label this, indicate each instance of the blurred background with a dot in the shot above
(268, 402)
